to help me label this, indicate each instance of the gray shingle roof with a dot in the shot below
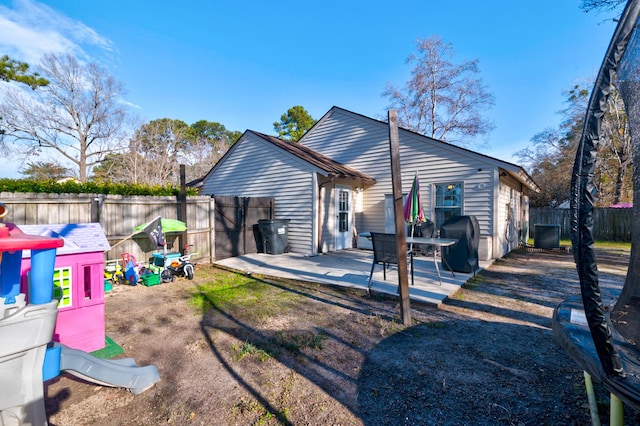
(78, 237)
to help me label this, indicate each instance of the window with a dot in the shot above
(448, 201)
(62, 287)
(343, 211)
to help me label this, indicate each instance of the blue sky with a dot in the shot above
(243, 64)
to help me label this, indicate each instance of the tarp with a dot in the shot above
(466, 230)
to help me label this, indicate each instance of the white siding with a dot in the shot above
(509, 217)
(256, 168)
(363, 144)
(328, 219)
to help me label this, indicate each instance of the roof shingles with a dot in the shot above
(332, 168)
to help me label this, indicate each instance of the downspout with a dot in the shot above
(521, 237)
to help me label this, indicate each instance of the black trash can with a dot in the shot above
(463, 255)
(275, 235)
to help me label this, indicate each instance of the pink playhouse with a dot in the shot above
(78, 281)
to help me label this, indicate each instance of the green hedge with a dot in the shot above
(74, 187)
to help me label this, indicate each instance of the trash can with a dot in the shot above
(463, 255)
(275, 235)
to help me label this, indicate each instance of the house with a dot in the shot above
(336, 183)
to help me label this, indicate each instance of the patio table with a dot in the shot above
(437, 243)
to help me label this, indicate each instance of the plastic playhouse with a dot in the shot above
(78, 282)
(27, 322)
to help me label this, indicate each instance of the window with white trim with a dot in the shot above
(63, 286)
(448, 201)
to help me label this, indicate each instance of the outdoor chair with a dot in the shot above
(384, 251)
(424, 230)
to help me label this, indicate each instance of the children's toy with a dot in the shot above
(163, 260)
(25, 330)
(27, 322)
(130, 268)
(171, 264)
(181, 266)
(150, 279)
(120, 373)
(78, 282)
(113, 271)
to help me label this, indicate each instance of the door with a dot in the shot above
(236, 224)
(344, 218)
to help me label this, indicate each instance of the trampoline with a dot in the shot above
(601, 331)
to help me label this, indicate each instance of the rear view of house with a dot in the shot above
(336, 183)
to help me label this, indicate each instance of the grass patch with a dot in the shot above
(249, 349)
(436, 324)
(237, 293)
(296, 342)
(616, 245)
(254, 407)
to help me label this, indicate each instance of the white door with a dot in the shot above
(344, 218)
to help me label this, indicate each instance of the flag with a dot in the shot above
(154, 231)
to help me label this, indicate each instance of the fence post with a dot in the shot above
(96, 208)
(212, 230)
(182, 212)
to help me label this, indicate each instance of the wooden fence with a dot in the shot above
(118, 215)
(608, 224)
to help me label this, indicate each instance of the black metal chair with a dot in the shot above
(384, 251)
(424, 230)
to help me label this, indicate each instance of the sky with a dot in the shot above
(244, 64)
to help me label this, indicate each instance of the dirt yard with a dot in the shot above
(328, 356)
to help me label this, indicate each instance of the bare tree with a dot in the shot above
(154, 152)
(158, 148)
(210, 141)
(442, 100)
(550, 159)
(614, 162)
(201, 155)
(80, 114)
(588, 5)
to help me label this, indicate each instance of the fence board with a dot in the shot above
(118, 215)
(608, 224)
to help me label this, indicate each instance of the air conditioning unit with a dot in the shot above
(364, 241)
(546, 236)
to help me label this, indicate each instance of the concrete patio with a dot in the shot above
(351, 268)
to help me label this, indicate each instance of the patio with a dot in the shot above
(351, 268)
